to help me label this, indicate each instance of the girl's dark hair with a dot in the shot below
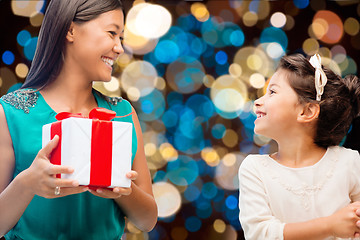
(48, 59)
(339, 104)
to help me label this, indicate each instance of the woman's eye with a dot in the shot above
(112, 33)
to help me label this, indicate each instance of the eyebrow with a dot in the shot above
(117, 26)
(274, 85)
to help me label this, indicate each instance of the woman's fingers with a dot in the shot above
(58, 169)
(114, 193)
(122, 191)
(57, 182)
(64, 191)
(132, 175)
(55, 192)
(47, 150)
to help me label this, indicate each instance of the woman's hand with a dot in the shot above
(116, 192)
(41, 180)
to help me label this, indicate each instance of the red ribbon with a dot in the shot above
(101, 144)
(96, 113)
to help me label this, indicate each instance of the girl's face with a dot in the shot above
(277, 110)
(96, 44)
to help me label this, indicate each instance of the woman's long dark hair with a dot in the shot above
(49, 55)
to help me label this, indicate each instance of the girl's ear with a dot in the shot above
(70, 34)
(309, 113)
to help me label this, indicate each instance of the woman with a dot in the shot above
(78, 42)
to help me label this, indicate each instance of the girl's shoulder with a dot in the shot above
(253, 161)
(344, 154)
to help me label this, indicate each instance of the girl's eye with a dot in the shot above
(271, 92)
(121, 39)
(112, 33)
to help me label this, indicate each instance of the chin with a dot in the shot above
(259, 132)
(106, 78)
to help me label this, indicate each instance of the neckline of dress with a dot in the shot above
(53, 111)
(328, 150)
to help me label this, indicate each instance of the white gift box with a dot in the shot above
(85, 146)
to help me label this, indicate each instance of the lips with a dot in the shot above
(260, 114)
(108, 61)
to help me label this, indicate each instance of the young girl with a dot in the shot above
(309, 188)
(78, 42)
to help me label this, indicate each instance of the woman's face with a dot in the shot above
(95, 45)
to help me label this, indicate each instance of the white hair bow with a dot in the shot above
(320, 76)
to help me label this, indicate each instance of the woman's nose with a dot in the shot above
(118, 48)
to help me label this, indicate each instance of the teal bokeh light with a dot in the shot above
(182, 171)
(23, 37)
(30, 47)
(166, 51)
(273, 34)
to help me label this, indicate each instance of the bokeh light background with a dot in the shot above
(192, 70)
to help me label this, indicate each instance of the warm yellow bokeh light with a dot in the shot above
(200, 11)
(210, 156)
(219, 226)
(235, 70)
(351, 26)
(168, 152)
(150, 149)
(250, 19)
(311, 46)
(230, 138)
(21, 70)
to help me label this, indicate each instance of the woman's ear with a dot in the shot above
(70, 33)
(310, 112)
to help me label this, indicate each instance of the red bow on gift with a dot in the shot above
(96, 113)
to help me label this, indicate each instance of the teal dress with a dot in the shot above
(79, 216)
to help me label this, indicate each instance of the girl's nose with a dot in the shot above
(257, 102)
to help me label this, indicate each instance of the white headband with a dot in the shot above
(320, 76)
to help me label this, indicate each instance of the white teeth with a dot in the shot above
(260, 115)
(108, 61)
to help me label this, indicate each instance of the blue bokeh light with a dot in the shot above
(193, 224)
(218, 131)
(273, 34)
(170, 118)
(221, 57)
(202, 107)
(301, 3)
(254, 6)
(30, 48)
(203, 209)
(8, 57)
(209, 190)
(237, 38)
(151, 106)
(231, 202)
(166, 51)
(182, 171)
(23, 37)
(192, 193)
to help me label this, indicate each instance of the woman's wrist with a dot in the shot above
(23, 181)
